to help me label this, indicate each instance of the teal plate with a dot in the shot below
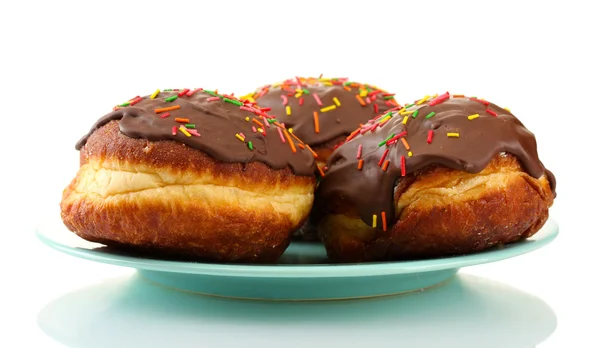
(302, 273)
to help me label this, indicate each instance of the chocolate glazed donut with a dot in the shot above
(444, 175)
(191, 174)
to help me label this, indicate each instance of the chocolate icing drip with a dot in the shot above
(348, 114)
(371, 189)
(217, 121)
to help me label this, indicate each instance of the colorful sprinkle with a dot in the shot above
(170, 108)
(360, 100)
(405, 143)
(385, 165)
(316, 119)
(184, 131)
(374, 220)
(190, 93)
(415, 113)
(288, 110)
(284, 99)
(403, 165)
(174, 130)
(184, 91)
(472, 117)
(213, 99)
(239, 137)
(317, 99)
(430, 115)
(360, 164)
(290, 142)
(453, 135)
(182, 120)
(429, 136)
(384, 221)
(384, 141)
(190, 126)
(493, 113)
(383, 156)
(155, 94)
(232, 101)
(359, 151)
(328, 108)
(281, 135)
(166, 114)
(171, 98)
(336, 101)
(409, 153)
(439, 99)
(250, 145)
(405, 120)
(301, 101)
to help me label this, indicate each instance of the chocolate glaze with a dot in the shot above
(217, 122)
(371, 190)
(339, 122)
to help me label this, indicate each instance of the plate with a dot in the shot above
(302, 273)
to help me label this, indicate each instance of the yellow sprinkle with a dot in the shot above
(250, 99)
(288, 110)
(155, 94)
(247, 119)
(290, 130)
(385, 119)
(363, 93)
(239, 137)
(374, 220)
(326, 83)
(507, 109)
(328, 108)
(184, 131)
(423, 100)
(409, 153)
(452, 135)
(472, 117)
(260, 130)
(336, 101)
(405, 113)
(298, 95)
(405, 119)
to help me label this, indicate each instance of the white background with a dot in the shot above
(63, 65)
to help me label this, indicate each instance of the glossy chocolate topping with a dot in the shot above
(452, 131)
(219, 125)
(341, 106)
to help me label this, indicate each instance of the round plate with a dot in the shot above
(302, 273)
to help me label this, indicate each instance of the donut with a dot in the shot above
(322, 111)
(191, 174)
(445, 175)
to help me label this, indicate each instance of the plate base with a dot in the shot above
(299, 289)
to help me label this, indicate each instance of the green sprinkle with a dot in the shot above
(347, 83)
(306, 91)
(235, 102)
(167, 90)
(190, 125)
(212, 93)
(409, 105)
(171, 98)
(271, 120)
(430, 115)
(388, 114)
(388, 97)
(386, 140)
(415, 113)
(250, 145)
(125, 103)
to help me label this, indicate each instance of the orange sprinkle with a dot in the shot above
(458, 96)
(174, 107)
(316, 117)
(182, 120)
(384, 220)
(385, 165)
(405, 143)
(311, 151)
(347, 88)
(360, 100)
(295, 137)
(321, 171)
(289, 139)
(257, 122)
(300, 146)
(360, 164)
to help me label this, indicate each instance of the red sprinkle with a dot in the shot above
(284, 99)
(484, 102)
(439, 99)
(135, 101)
(166, 114)
(384, 220)
(429, 136)
(403, 165)
(376, 107)
(190, 93)
(174, 132)
(301, 101)
(395, 138)
(491, 112)
(383, 157)
(185, 90)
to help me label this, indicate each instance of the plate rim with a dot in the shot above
(543, 237)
